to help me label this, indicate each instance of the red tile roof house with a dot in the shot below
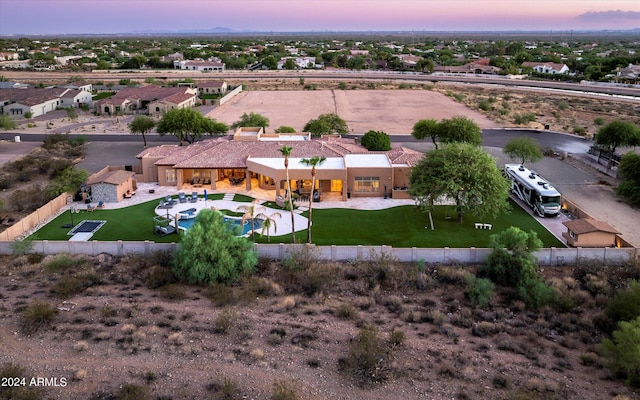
(253, 157)
(587, 232)
(154, 99)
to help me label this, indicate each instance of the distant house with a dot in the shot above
(546, 67)
(199, 65)
(587, 232)
(629, 73)
(4, 56)
(18, 102)
(111, 184)
(212, 87)
(80, 85)
(301, 62)
(471, 68)
(152, 99)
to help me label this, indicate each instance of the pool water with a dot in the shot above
(233, 222)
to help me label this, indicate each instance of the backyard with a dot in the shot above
(402, 226)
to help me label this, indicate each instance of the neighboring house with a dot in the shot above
(212, 87)
(301, 62)
(631, 72)
(111, 184)
(198, 65)
(5, 56)
(253, 158)
(18, 102)
(471, 68)
(587, 232)
(546, 67)
(80, 85)
(13, 85)
(151, 99)
(409, 61)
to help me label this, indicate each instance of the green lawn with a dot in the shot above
(403, 226)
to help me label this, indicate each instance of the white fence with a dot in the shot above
(549, 256)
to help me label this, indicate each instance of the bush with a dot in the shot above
(623, 351)
(159, 276)
(376, 141)
(210, 252)
(479, 291)
(625, 305)
(511, 262)
(36, 316)
(22, 392)
(284, 390)
(64, 263)
(485, 105)
(69, 285)
(367, 358)
(537, 294)
(132, 391)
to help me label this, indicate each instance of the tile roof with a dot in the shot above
(587, 225)
(114, 177)
(144, 93)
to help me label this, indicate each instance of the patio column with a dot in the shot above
(213, 176)
(278, 184)
(247, 178)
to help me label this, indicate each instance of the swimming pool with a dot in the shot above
(231, 221)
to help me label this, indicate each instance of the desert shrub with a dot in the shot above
(485, 105)
(579, 130)
(36, 316)
(396, 338)
(599, 121)
(284, 390)
(623, 351)
(222, 295)
(173, 292)
(625, 305)
(537, 294)
(28, 199)
(210, 252)
(21, 247)
(367, 358)
(18, 392)
(64, 263)
(131, 391)
(346, 311)
(563, 105)
(317, 279)
(159, 276)
(70, 285)
(479, 291)
(521, 119)
(300, 258)
(226, 321)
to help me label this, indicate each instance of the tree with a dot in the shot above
(618, 133)
(326, 124)
(252, 212)
(252, 120)
(463, 173)
(629, 173)
(142, 124)
(312, 162)
(286, 152)
(210, 252)
(623, 351)
(511, 262)
(459, 129)
(267, 222)
(72, 113)
(376, 141)
(188, 125)
(523, 148)
(285, 129)
(426, 128)
(67, 180)
(6, 122)
(289, 64)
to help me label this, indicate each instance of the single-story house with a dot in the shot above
(199, 65)
(18, 102)
(587, 232)
(111, 184)
(546, 67)
(252, 157)
(212, 87)
(154, 99)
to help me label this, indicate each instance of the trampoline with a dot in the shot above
(87, 226)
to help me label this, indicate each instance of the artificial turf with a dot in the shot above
(404, 226)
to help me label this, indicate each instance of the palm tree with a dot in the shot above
(312, 162)
(286, 152)
(267, 222)
(251, 212)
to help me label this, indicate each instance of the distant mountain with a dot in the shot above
(217, 29)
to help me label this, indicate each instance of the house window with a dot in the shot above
(572, 234)
(170, 175)
(367, 184)
(157, 109)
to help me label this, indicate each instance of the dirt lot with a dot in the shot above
(187, 342)
(393, 112)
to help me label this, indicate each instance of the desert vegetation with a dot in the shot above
(125, 327)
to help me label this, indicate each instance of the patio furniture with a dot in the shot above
(165, 205)
(100, 204)
(182, 197)
(164, 230)
(194, 197)
(90, 208)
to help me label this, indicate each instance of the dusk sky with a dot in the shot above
(121, 16)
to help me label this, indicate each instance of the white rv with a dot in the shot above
(533, 190)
